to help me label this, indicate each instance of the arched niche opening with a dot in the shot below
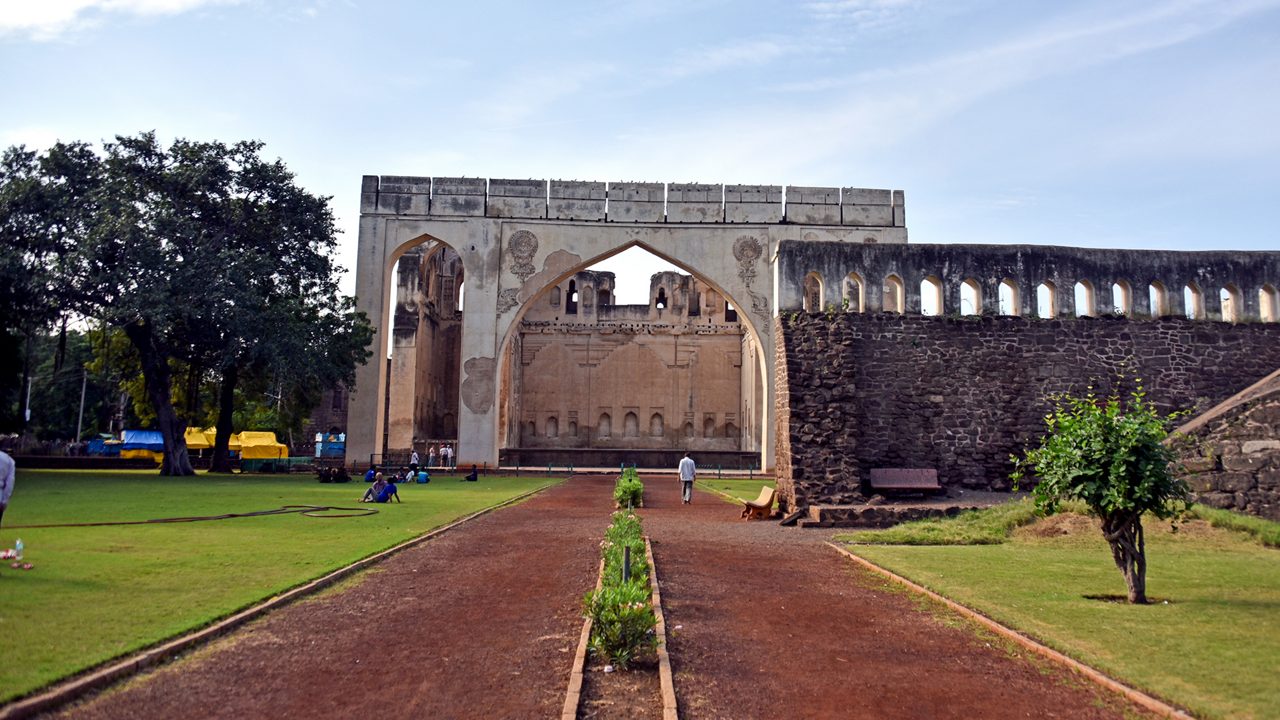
(658, 377)
(813, 292)
(1193, 301)
(1231, 301)
(553, 427)
(851, 293)
(1268, 303)
(894, 295)
(426, 309)
(1085, 301)
(1046, 300)
(1010, 300)
(571, 307)
(970, 297)
(1121, 298)
(1158, 299)
(931, 296)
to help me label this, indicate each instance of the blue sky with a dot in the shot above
(1110, 124)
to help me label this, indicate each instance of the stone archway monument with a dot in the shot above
(517, 237)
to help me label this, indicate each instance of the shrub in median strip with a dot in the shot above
(628, 491)
(621, 612)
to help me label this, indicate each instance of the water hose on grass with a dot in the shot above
(304, 510)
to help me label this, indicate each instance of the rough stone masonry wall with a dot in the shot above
(1232, 456)
(859, 391)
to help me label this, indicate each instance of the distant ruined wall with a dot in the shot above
(859, 391)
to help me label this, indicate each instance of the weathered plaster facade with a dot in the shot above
(517, 238)
(587, 375)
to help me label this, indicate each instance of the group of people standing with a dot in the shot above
(437, 456)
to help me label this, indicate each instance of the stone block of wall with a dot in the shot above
(576, 200)
(865, 207)
(695, 203)
(517, 199)
(458, 196)
(813, 205)
(753, 203)
(404, 195)
(859, 391)
(369, 194)
(637, 202)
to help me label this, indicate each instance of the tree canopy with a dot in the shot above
(1111, 456)
(207, 257)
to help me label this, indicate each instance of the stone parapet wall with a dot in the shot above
(1007, 280)
(860, 391)
(636, 202)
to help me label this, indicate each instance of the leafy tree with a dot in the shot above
(1112, 458)
(181, 249)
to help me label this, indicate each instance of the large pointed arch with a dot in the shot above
(756, 386)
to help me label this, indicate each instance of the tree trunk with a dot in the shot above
(1129, 550)
(156, 378)
(226, 405)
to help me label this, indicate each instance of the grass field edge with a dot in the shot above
(1149, 702)
(62, 692)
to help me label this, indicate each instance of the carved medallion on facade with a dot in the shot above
(747, 250)
(508, 299)
(522, 246)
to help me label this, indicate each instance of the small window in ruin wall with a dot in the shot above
(555, 297)
(604, 427)
(730, 314)
(656, 428)
(571, 307)
(631, 425)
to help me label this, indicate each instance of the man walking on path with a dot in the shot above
(687, 472)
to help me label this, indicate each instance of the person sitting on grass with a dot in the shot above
(474, 476)
(371, 495)
(424, 477)
(371, 475)
(388, 491)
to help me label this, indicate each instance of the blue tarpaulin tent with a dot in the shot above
(142, 444)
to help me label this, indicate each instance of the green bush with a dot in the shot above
(629, 491)
(621, 614)
(622, 621)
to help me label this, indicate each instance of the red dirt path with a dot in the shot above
(482, 622)
(773, 623)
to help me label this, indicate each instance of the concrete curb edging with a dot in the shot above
(66, 691)
(670, 709)
(573, 695)
(1132, 694)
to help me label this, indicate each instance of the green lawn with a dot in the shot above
(746, 489)
(1213, 648)
(97, 593)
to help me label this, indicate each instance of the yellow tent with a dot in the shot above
(199, 439)
(255, 445)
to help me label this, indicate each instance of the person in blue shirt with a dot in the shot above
(371, 475)
(424, 477)
(388, 492)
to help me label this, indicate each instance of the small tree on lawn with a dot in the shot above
(1112, 458)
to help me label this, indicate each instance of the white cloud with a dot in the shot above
(861, 14)
(48, 19)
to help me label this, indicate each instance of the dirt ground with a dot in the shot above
(481, 622)
(768, 622)
(763, 622)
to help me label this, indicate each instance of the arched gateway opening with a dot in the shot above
(649, 342)
(424, 354)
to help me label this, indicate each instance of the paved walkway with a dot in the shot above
(482, 623)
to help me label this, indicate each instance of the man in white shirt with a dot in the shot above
(7, 474)
(687, 472)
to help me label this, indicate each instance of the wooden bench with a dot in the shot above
(921, 480)
(760, 508)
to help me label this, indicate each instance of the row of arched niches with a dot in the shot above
(1028, 280)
